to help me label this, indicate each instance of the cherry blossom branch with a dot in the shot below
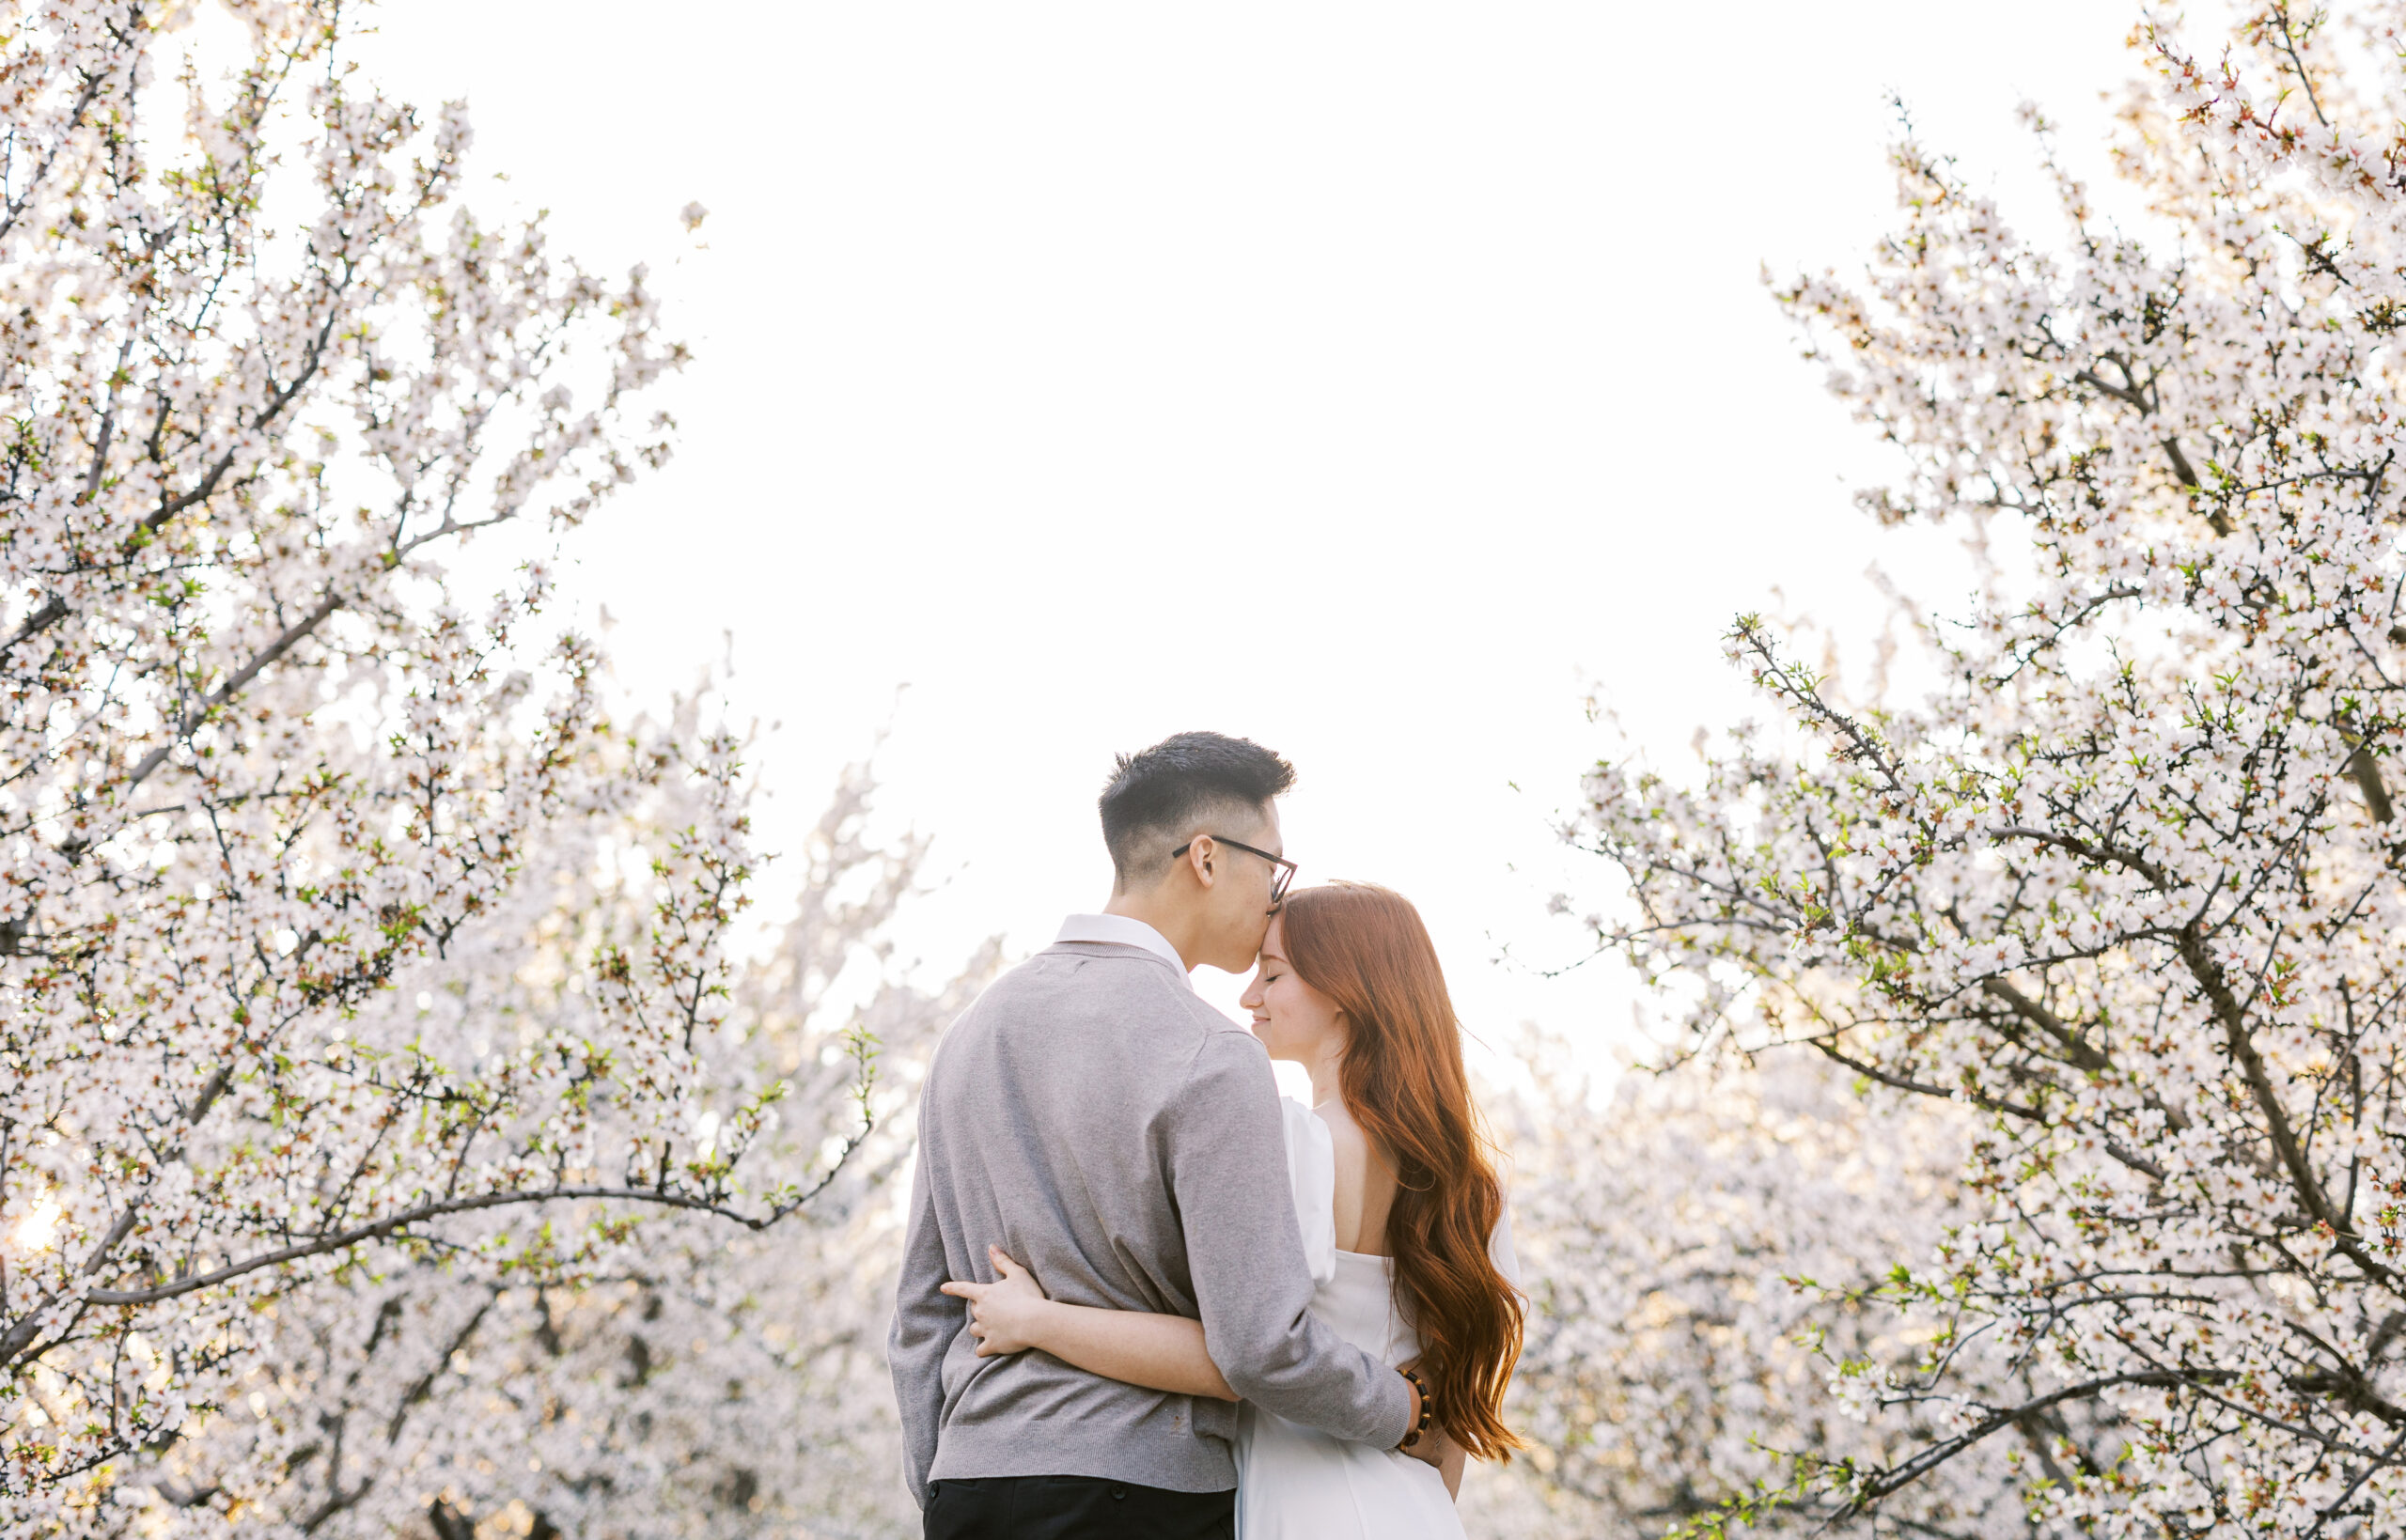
(1866, 1489)
(234, 682)
(392, 1225)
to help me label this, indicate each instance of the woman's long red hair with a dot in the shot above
(1402, 1080)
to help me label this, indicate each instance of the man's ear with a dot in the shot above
(1202, 859)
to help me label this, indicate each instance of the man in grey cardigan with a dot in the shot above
(1093, 1118)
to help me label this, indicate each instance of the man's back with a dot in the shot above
(1095, 1120)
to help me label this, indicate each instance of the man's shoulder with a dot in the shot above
(1099, 970)
(1109, 987)
(1221, 1045)
(1111, 984)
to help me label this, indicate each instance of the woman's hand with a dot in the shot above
(1007, 1315)
(1159, 1352)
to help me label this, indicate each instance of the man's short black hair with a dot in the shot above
(1153, 796)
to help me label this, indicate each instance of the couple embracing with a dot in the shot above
(1143, 1295)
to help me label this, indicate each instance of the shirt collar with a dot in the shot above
(1120, 930)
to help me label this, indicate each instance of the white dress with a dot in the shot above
(1296, 1483)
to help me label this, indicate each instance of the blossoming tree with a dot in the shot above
(713, 1380)
(270, 776)
(2127, 881)
(1701, 1250)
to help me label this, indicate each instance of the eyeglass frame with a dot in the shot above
(1280, 880)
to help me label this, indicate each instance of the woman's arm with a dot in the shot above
(1159, 1352)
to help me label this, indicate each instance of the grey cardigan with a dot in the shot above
(1098, 1121)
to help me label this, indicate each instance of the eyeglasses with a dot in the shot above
(1281, 875)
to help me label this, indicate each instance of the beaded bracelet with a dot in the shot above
(1428, 1407)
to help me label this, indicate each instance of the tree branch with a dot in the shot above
(389, 1225)
(2232, 1017)
(234, 682)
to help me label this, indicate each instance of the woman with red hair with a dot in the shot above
(1402, 1219)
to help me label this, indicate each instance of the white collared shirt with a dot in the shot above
(1120, 930)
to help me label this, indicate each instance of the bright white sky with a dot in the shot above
(1369, 380)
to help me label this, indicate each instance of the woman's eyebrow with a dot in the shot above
(1272, 956)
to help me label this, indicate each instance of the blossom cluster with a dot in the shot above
(2123, 885)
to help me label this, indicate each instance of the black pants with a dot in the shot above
(1075, 1508)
